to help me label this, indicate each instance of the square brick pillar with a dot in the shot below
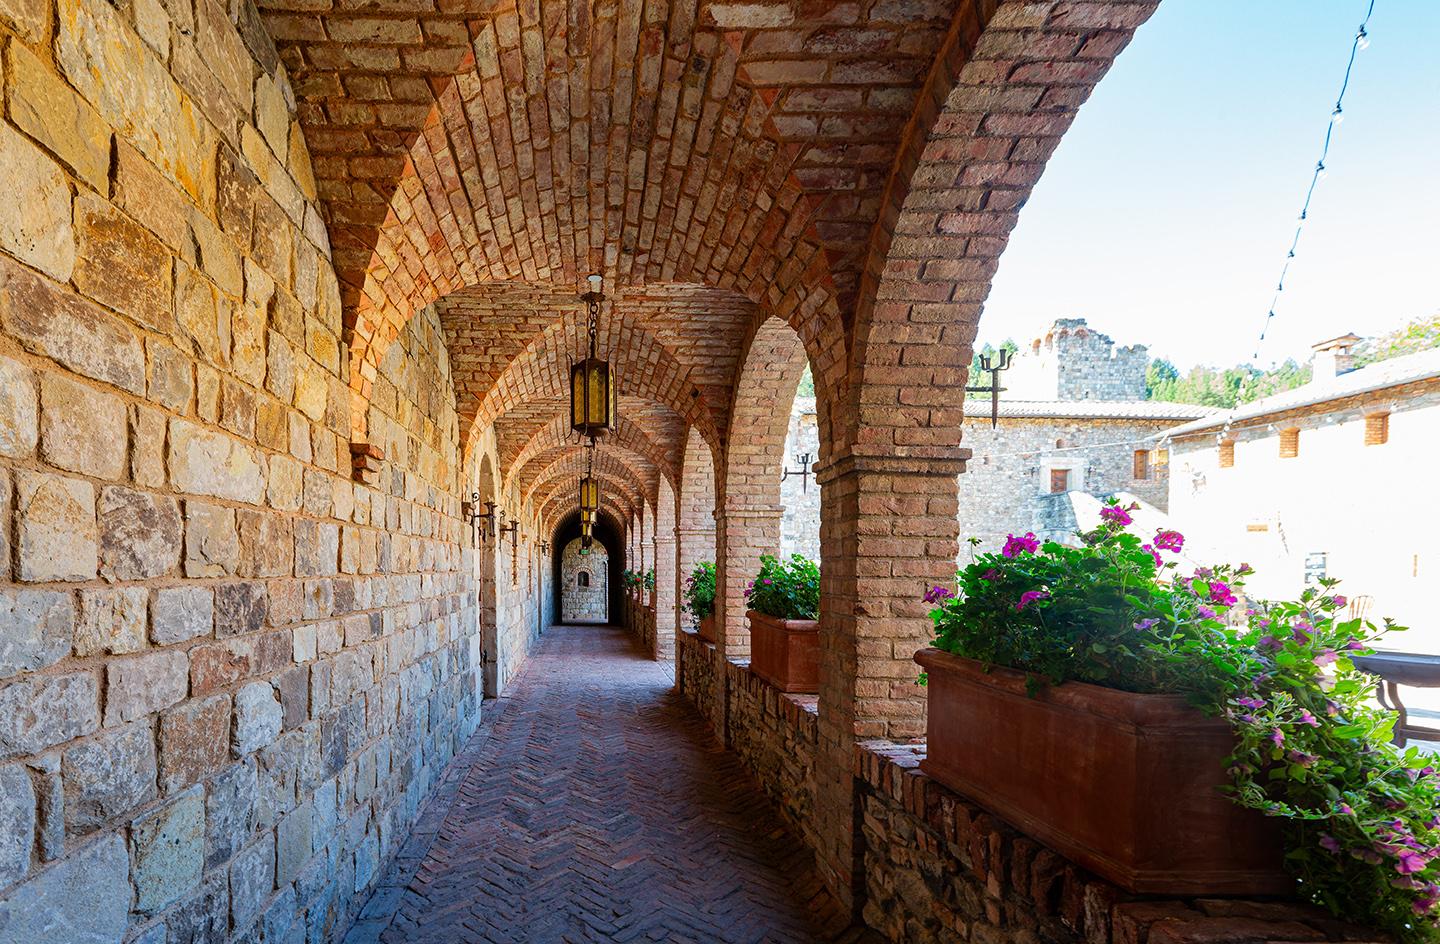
(742, 535)
(888, 531)
(667, 595)
(693, 545)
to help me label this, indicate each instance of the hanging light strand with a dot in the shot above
(1360, 41)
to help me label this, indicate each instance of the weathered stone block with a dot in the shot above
(258, 717)
(37, 229)
(41, 711)
(17, 824)
(169, 849)
(181, 613)
(204, 917)
(230, 812)
(112, 620)
(294, 688)
(139, 534)
(36, 627)
(45, 108)
(82, 429)
(56, 526)
(108, 775)
(137, 686)
(317, 548)
(204, 317)
(252, 878)
(123, 266)
(267, 544)
(285, 488)
(239, 608)
(293, 838)
(44, 910)
(147, 446)
(19, 410)
(204, 462)
(212, 542)
(172, 376)
(194, 742)
(51, 320)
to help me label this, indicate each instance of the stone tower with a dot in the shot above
(1073, 361)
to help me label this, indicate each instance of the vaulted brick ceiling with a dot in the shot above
(717, 162)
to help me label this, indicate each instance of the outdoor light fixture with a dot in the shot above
(592, 383)
(475, 516)
(589, 485)
(993, 388)
(803, 471)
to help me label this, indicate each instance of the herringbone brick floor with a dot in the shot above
(599, 808)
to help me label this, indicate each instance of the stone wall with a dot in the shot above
(940, 870)
(590, 602)
(229, 673)
(700, 678)
(775, 734)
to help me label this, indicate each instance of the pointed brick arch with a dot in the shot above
(557, 434)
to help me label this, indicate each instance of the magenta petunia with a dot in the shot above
(1220, 593)
(1277, 737)
(1030, 596)
(937, 594)
(991, 574)
(1326, 657)
(1409, 862)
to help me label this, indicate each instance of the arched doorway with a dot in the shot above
(584, 583)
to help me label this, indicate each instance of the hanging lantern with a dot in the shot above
(589, 493)
(587, 519)
(593, 394)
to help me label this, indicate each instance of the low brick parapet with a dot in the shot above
(937, 867)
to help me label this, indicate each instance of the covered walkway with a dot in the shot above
(598, 807)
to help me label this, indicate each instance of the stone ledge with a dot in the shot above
(942, 833)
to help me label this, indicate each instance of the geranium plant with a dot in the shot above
(649, 581)
(786, 589)
(700, 591)
(1358, 815)
(630, 579)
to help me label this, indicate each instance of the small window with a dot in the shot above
(1142, 464)
(1289, 443)
(1377, 429)
(582, 579)
(1227, 454)
(1059, 481)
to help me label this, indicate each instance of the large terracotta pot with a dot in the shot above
(785, 653)
(706, 628)
(1126, 785)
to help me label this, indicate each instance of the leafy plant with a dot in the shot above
(700, 591)
(649, 580)
(1360, 817)
(630, 579)
(786, 589)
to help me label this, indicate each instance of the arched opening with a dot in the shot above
(485, 582)
(587, 582)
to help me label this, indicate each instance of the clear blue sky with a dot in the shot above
(1165, 213)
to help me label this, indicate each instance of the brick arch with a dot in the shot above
(695, 505)
(749, 492)
(558, 512)
(560, 495)
(571, 460)
(557, 434)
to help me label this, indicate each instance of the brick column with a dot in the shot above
(666, 595)
(742, 535)
(888, 530)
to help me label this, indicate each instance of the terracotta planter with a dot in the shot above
(785, 653)
(1126, 785)
(706, 629)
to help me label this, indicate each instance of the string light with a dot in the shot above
(1337, 115)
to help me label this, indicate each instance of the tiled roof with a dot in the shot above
(1391, 373)
(977, 408)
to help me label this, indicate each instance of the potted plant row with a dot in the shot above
(1159, 731)
(784, 609)
(700, 599)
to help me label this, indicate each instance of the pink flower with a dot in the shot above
(1410, 861)
(1251, 702)
(1029, 544)
(937, 595)
(1116, 515)
(1145, 624)
(1030, 596)
(1277, 737)
(1329, 843)
(1220, 593)
(1153, 553)
(1309, 719)
(991, 574)
(1325, 658)
(1169, 540)
(1338, 601)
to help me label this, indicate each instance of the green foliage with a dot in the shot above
(700, 591)
(786, 589)
(989, 350)
(1360, 818)
(1209, 386)
(1422, 334)
(807, 384)
(630, 579)
(649, 580)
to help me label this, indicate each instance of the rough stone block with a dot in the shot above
(240, 608)
(19, 410)
(293, 838)
(36, 230)
(36, 627)
(139, 534)
(112, 620)
(204, 917)
(204, 462)
(56, 528)
(172, 376)
(137, 686)
(82, 428)
(258, 717)
(194, 742)
(122, 265)
(27, 17)
(43, 910)
(17, 823)
(169, 849)
(252, 878)
(39, 712)
(294, 688)
(267, 544)
(285, 479)
(147, 446)
(212, 543)
(229, 812)
(52, 321)
(181, 613)
(317, 548)
(108, 775)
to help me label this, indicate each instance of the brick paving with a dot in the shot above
(596, 806)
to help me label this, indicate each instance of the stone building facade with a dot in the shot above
(1073, 361)
(585, 584)
(799, 498)
(1302, 485)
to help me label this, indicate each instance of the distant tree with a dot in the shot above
(1160, 375)
(807, 384)
(1224, 388)
(988, 350)
(1422, 334)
